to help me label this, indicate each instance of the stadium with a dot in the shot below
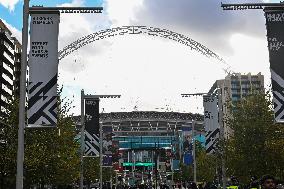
(147, 144)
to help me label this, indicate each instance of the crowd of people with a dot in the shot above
(266, 182)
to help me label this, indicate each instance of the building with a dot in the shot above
(10, 55)
(234, 87)
(145, 141)
(17, 68)
(148, 140)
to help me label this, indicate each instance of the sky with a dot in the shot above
(149, 72)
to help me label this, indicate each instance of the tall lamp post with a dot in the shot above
(221, 132)
(193, 138)
(23, 87)
(83, 98)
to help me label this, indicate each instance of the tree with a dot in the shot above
(91, 169)
(8, 145)
(255, 146)
(206, 165)
(51, 154)
(186, 172)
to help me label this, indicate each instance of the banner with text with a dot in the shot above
(43, 69)
(275, 37)
(108, 146)
(212, 128)
(92, 127)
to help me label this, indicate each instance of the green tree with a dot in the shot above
(8, 145)
(254, 148)
(91, 169)
(186, 172)
(206, 165)
(51, 154)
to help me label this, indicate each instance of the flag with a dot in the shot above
(92, 126)
(43, 69)
(275, 37)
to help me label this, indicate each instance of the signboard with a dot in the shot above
(107, 160)
(92, 127)
(212, 128)
(108, 148)
(275, 37)
(43, 69)
(128, 164)
(187, 158)
(175, 164)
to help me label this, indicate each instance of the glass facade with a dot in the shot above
(145, 142)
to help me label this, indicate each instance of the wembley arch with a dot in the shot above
(136, 30)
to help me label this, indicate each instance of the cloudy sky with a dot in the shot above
(150, 72)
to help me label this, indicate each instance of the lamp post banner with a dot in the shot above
(275, 37)
(108, 149)
(92, 127)
(212, 128)
(43, 69)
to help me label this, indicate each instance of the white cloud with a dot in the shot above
(251, 55)
(10, 4)
(15, 32)
(75, 26)
(204, 21)
(122, 12)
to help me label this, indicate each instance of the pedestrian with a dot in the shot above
(253, 184)
(280, 186)
(268, 182)
(200, 186)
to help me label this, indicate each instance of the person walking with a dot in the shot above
(254, 183)
(268, 182)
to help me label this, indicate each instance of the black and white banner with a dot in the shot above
(212, 128)
(275, 37)
(43, 69)
(92, 127)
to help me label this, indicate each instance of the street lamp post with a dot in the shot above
(194, 150)
(193, 138)
(82, 140)
(89, 97)
(222, 137)
(221, 132)
(156, 167)
(20, 152)
(23, 88)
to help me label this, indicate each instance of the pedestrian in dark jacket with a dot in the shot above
(268, 182)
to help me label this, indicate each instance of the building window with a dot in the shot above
(8, 57)
(7, 78)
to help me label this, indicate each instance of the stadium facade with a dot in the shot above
(148, 145)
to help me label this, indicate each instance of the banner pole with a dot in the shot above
(82, 140)
(101, 155)
(20, 151)
(222, 138)
(194, 151)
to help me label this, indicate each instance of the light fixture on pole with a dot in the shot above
(220, 120)
(23, 88)
(193, 133)
(96, 98)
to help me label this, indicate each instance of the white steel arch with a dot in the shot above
(134, 30)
